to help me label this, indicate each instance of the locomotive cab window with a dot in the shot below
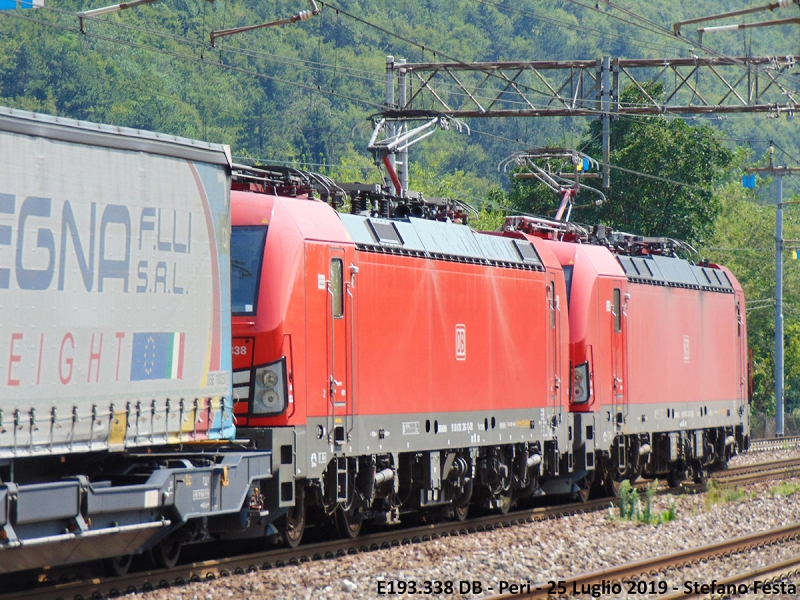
(337, 288)
(247, 250)
(568, 280)
(617, 311)
(551, 301)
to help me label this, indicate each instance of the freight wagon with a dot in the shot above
(115, 344)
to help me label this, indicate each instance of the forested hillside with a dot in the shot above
(303, 92)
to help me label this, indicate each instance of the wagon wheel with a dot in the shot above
(295, 520)
(167, 552)
(504, 501)
(118, 565)
(460, 513)
(699, 473)
(349, 520)
(675, 477)
(584, 488)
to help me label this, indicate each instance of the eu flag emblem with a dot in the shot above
(157, 355)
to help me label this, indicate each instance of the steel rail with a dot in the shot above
(660, 564)
(774, 572)
(214, 569)
(787, 467)
(776, 443)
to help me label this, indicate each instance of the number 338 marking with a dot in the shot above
(240, 350)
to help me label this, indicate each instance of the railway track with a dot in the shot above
(650, 575)
(748, 473)
(773, 575)
(776, 443)
(94, 586)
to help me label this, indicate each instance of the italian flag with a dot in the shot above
(175, 349)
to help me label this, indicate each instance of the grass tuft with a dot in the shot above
(631, 507)
(784, 489)
(716, 494)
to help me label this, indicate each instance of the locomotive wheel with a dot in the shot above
(505, 501)
(633, 474)
(349, 521)
(294, 525)
(611, 484)
(167, 552)
(460, 506)
(118, 565)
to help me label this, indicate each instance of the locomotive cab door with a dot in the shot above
(619, 379)
(340, 332)
(742, 396)
(554, 352)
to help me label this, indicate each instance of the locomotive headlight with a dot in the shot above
(269, 378)
(269, 389)
(581, 388)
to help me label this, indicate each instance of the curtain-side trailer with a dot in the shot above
(116, 415)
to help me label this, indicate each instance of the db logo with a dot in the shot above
(461, 342)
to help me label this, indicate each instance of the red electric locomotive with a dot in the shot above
(393, 365)
(409, 364)
(658, 348)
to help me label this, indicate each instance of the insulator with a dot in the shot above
(401, 211)
(644, 449)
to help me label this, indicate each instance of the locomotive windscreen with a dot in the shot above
(247, 250)
(568, 280)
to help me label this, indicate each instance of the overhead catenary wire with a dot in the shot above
(302, 86)
(354, 73)
(375, 78)
(573, 26)
(311, 88)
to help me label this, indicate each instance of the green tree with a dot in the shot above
(744, 241)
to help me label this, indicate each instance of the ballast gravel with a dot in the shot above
(535, 553)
